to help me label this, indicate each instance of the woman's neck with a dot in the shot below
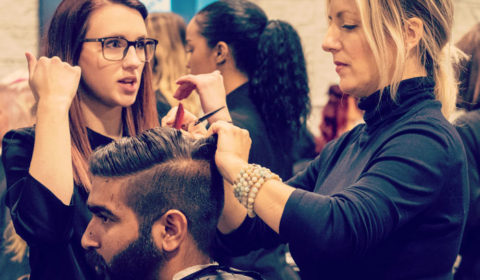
(232, 79)
(104, 120)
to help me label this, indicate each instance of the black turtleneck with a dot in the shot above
(387, 200)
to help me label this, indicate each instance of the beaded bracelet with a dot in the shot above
(249, 181)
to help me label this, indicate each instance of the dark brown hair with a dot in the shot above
(162, 169)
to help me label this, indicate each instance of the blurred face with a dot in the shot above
(200, 57)
(107, 83)
(116, 245)
(352, 55)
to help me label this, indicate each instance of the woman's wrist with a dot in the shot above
(232, 169)
(53, 106)
(222, 115)
(249, 182)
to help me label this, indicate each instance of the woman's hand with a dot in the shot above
(211, 90)
(53, 81)
(169, 119)
(233, 148)
(196, 131)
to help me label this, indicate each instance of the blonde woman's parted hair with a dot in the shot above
(384, 24)
(170, 61)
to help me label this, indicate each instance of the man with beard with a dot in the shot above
(156, 199)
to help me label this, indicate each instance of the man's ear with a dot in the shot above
(223, 52)
(413, 33)
(170, 230)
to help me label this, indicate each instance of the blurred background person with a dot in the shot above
(17, 106)
(267, 93)
(468, 126)
(170, 61)
(339, 115)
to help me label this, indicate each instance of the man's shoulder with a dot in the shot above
(217, 272)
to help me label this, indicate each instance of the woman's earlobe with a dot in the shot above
(222, 52)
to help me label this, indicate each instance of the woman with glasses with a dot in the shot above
(92, 86)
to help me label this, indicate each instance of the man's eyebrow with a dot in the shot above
(96, 209)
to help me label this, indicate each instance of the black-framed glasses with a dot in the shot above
(116, 48)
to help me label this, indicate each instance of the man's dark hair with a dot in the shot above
(163, 170)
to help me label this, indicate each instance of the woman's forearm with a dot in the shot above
(233, 213)
(51, 161)
(270, 202)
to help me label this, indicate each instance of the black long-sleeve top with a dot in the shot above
(263, 150)
(468, 126)
(52, 230)
(387, 200)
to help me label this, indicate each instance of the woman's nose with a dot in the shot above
(330, 42)
(131, 59)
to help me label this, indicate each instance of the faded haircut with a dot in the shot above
(163, 169)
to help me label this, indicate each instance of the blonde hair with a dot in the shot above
(14, 244)
(384, 22)
(170, 57)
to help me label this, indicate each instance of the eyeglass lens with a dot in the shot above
(117, 48)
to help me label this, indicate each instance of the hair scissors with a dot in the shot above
(208, 115)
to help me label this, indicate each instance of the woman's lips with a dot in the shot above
(340, 66)
(129, 85)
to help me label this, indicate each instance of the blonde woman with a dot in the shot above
(388, 199)
(170, 61)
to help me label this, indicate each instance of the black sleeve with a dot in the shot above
(469, 130)
(405, 176)
(252, 234)
(38, 215)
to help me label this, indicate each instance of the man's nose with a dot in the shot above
(88, 239)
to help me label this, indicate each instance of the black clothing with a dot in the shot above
(162, 105)
(387, 200)
(245, 115)
(8, 269)
(269, 262)
(52, 230)
(468, 126)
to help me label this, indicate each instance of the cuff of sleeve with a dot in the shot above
(39, 215)
(290, 223)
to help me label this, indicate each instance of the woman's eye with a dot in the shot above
(141, 45)
(349, 27)
(113, 43)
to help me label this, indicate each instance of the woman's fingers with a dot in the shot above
(233, 147)
(232, 140)
(53, 80)
(184, 90)
(32, 62)
(169, 119)
(210, 89)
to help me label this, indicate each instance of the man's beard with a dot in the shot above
(140, 260)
